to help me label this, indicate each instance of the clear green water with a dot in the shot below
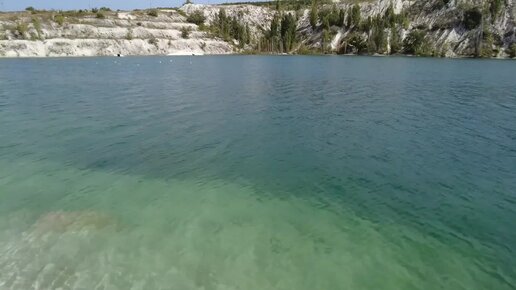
(257, 173)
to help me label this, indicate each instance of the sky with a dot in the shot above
(17, 5)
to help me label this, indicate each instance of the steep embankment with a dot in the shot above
(451, 28)
(44, 33)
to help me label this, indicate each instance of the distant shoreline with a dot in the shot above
(260, 55)
(383, 28)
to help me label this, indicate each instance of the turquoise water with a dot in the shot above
(248, 172)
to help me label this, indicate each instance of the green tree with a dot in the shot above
(366, 25)
(288, 32)
(379, 39)
(228, 27)
(326, 23)
(495, 6)
(274, 38)
(342, 15)
(325, 40)
(486, 49)
(349, 20)
(395, 41)
(314, 14)
(390, 16)
(355, 15)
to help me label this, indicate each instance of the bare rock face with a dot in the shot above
(127, 33)
(258, 18)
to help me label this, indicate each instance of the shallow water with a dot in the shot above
(257, 173)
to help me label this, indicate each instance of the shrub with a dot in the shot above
(512, 50)
(354, 43)
(106, 9)
(37, 24)
(59, 19)
(415, 43)
(153, 41)
(94, 10)
(196, 18)
(30, 8)
(129, 35)
(185, 32)
(472, 18)
(100, 15)
(153, 13)
(21, 29)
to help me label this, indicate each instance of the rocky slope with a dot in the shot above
(450, 28)
(43, 34)
(444, 27)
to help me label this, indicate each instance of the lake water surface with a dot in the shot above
(256, 173)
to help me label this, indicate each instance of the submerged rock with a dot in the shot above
(64, 221)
